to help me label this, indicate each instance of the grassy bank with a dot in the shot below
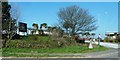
(25, 52)
(36, 41)
(43, 46)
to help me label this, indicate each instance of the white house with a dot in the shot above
(111, 35)
(29, 32)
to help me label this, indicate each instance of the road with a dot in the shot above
(60, 59)
(109, 45)
(111, 53)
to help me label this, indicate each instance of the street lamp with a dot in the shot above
(99, 37)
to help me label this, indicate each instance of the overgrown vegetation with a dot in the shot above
(43, 46)
(36, 41)
(111, 40)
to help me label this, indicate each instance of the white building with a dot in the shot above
(29, 32)
(112, 35)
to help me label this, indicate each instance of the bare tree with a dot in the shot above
(76, 19)
(15, 11)
(15, 17)
(8, 21)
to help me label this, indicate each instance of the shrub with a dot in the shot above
(32, 42)
(106, 39)
(110, 40)
(39, 42)
(117, 40)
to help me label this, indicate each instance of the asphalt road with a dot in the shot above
(60, 59)
(112, 53)
(105, 44)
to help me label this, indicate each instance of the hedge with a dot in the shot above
(39, 42)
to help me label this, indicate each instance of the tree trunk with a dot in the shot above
(67, 31)
(73, 31)
(9, 29)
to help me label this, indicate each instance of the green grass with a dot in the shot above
(0, 54)
(25, 52)
(43, 46)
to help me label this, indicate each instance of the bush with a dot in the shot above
(106, 39)
(68, 42)
(37, 41)
(110, 40)
(32, 42)
(117, 39)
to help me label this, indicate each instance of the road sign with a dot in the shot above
(22, 27)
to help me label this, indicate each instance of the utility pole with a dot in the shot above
(99, 37)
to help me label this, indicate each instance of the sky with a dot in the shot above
(63, 0)
(106, 13)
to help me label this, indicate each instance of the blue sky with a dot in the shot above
(106, 13)
(64, 0)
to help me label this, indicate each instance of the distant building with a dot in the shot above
(111, 35)
(46, 32)
(29, 32)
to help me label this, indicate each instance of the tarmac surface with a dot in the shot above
(60, 59)
(106, 44)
